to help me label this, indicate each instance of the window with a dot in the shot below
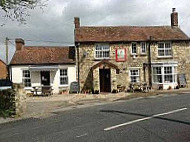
(134, 48)
(143, 48)
(63, 77)
(102, 51)
(134, 75)
(157, 74)
(164, 49)
(165, 74)
(26, 78)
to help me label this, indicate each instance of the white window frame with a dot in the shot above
(26, 78)
(165, 49)
(154, 75)
(101, 51)
(132, 53)
(137, 76)
(145, 46)
(63, 76)
(163, 74)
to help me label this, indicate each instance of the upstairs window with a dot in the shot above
(134, 49)
(164, 49)
(63, 77)
(143, 48)
(102, 51)
(26, 78)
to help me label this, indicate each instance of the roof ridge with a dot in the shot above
(47, 46)
(157, 26)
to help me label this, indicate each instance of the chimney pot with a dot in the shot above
(173, 10)
(19, 44)
(174, 18)
(77, 22)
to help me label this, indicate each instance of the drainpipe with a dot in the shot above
(78, 68)
(149, 63)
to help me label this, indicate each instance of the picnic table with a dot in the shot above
(137, 86)
(42, 90)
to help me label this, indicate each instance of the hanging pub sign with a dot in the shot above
(121, 54)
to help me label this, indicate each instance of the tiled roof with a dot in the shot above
(2, 61)
(128, 33)
(43, 55)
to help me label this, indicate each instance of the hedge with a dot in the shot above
(7, 103)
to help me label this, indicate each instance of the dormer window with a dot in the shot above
(164, 49)
(102, 51)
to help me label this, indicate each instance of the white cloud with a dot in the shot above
(56, 21)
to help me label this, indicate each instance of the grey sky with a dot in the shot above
(55, 22)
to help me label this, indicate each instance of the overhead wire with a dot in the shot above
(44, 41)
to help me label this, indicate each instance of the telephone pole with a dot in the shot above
(7, 50)
(150, 63)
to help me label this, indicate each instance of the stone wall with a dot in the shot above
(96, 81)
(113, 80)
(12, 101)
(20, 99)
(181, 52)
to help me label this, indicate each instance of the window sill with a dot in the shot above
(165, 83)
(133, 54)
(143, 54)
(165, 57)
(98, 59)
(67, 85)
(28, 88)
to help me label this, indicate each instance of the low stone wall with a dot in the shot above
(12, 101)
(20, 99)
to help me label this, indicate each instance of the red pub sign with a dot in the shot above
(121, 54)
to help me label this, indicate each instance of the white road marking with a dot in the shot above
(142, 119)
(82, 135)
(185, 92)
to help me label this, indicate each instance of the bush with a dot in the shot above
(7, 102)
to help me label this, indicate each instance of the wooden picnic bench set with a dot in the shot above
(42, 90)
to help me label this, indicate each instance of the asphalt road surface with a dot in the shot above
(153, 119)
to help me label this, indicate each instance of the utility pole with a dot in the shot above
(7, 50)
(149, 63)
(78, 67)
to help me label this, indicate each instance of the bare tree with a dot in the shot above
(18, 9)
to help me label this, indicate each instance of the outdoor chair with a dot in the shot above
(47, 90)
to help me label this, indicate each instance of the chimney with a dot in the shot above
(77, 22)
(19, 44)
(174, 18)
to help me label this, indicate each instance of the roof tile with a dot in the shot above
(44, 55)
(128, 33)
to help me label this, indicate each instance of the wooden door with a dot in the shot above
(45, 78)
(105, 80)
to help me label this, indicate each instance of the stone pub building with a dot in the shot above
(112, 56)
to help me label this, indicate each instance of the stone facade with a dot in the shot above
(89, 79)
(20, 99)
(3, 70)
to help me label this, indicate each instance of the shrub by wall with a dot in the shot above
(7, 102)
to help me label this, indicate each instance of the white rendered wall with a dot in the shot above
(36, 77)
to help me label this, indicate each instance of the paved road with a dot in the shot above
(164, 118)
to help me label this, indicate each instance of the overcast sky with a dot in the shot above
(55, 22)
